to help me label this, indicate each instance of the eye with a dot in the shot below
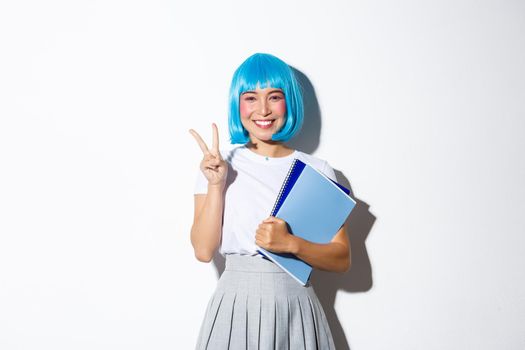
(276, 97)
(249, 98)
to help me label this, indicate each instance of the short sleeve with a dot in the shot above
(329, 171)
(201, 184)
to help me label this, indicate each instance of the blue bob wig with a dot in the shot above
(266, 71)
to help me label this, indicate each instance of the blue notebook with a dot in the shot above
(315, 208)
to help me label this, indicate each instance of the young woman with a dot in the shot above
(256, 305)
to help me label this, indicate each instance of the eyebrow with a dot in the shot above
(254, 92)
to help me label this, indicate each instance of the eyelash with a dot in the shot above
(274, 97)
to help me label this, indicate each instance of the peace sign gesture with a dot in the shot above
(212, 165)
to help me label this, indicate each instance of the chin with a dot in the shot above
(261, 138)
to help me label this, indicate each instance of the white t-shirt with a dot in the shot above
(252, 186)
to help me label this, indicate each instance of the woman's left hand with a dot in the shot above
(273, 235)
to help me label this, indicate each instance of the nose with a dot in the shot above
(264, 109)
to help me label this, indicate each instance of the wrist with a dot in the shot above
(216, 187)
(294, 245)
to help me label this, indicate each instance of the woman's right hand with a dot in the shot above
(215, 169)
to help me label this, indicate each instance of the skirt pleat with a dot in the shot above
(310, 336)
(220, 336)
(258, 306)
(322, 326)
(239, 334)
(209, 321)
(296, 325)
(267, 332)
(254, 322)
(281, 324)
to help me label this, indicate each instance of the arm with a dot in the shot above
(207, 218)
(207, 223)
(335, 256)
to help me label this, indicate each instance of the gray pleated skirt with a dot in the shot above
(258, 306)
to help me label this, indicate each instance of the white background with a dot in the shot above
(419, 105)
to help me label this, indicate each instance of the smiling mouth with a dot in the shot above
(264, 124)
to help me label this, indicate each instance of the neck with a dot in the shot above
(272, 149)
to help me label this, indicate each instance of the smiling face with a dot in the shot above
(262, 112)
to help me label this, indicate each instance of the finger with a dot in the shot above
(210, 167)
(215, 145)
(215, 162)
(210, 158)
(264, 227)
(261, 232)
(270, 219)
(200, 141)
(210, 164)
(277, 220)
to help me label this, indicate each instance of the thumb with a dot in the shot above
(271, 219)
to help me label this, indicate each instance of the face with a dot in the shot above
(262, 112)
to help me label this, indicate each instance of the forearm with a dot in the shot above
(333, 256)
(206, 229)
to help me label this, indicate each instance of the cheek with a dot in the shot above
(280, 108)
(244, 109)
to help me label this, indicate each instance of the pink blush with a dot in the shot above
(280, 108)
(243, 109)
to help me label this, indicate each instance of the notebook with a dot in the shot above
(315, 207)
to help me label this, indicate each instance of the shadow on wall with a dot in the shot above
(358, 225)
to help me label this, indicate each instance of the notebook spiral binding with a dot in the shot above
(285, 184)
